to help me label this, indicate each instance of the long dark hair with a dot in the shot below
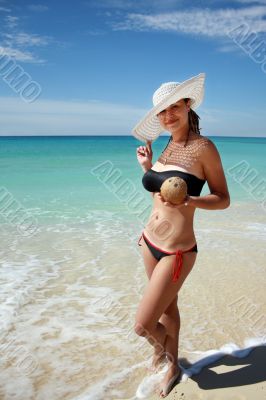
(193, 120)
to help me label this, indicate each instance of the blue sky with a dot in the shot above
(97, 63)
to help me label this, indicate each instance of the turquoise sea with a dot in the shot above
(71, 273)
(54, 175)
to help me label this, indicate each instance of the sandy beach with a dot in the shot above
(229, 378)
(70, 292)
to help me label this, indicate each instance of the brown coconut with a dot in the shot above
(174, 190)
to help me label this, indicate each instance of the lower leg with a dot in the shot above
(159, 354)
(171, 348)
(172, 323)
(156, 337)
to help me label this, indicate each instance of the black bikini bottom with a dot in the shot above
(159, 254)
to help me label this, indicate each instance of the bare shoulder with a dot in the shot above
(204, 140)
(208, 141)
(198, 146)
(209, 150)
(199, 141)
(212, 167)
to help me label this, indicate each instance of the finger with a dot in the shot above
(140, 151)
(148, 145)
(149, 149)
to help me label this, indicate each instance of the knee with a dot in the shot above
(141, 329)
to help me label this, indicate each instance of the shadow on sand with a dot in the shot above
(252, 369)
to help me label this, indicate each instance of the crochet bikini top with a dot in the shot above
(181, 156)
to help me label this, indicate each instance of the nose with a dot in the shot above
(169, 113)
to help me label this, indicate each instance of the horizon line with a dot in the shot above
(35, 136)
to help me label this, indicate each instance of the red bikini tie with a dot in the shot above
(177, 265)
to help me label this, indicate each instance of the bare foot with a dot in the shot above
(172, 377)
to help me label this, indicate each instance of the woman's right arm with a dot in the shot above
(219, 197)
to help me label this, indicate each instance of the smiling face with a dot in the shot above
(175, 116)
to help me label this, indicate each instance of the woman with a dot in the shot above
(168, 242)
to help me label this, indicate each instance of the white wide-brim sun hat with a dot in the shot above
(149, 127)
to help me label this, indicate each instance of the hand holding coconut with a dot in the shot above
(174, 192)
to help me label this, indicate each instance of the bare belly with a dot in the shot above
(170, 228)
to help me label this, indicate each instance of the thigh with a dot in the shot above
(161, 291)
(149, 260)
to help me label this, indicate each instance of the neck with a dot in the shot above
(180, 135)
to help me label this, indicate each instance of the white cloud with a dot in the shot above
(228, 122)
(11, 21)
(19, 55)
(37, 7)
(252, 1)
(95, 32)
(25, 39)
(16, 43)
(54, 117)
(231, 48)
(134, 4)
(5, 9)
(205, 22)
(51, 117)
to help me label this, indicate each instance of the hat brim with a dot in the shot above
(149, 127)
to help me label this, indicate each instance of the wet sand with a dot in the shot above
(230, 378)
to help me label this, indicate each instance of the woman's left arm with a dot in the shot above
(219, 197)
